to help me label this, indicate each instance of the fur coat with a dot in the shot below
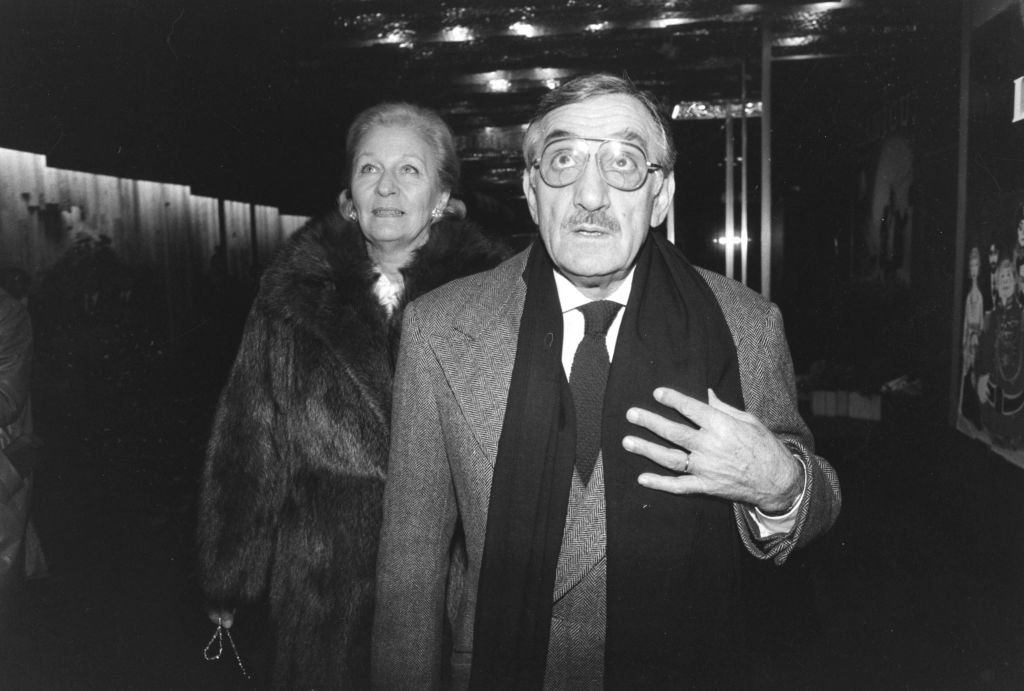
(290, 499)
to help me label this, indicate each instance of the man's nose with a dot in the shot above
(591, 191)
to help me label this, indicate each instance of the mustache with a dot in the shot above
(598, 218)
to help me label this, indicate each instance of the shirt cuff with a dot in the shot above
(766, 525)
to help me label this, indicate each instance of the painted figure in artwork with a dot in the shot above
(992, 296)
(1000, 362)
(974, 320)
(1018, 248)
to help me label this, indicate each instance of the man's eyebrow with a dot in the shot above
(558, 134)
(631, 135)
(628, 135)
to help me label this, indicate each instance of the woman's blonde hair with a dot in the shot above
(424, 121)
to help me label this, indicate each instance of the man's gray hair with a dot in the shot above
(589, 86)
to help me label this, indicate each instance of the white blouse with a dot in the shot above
(388, 293)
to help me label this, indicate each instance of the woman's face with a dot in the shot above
(395, 187)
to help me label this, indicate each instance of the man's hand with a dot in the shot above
(731, 454)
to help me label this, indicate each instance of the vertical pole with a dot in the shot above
(254, 241)
(744, 202)
(766, 156)
(222, 231)
(960, 240)
(730, 196)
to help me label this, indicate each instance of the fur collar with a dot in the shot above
(324, 276)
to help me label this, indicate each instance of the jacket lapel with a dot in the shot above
(478, 355)
(584, 539)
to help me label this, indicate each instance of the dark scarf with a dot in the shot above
(673, 582)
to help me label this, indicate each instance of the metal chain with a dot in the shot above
(218, 638)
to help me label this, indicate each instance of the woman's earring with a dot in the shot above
(436, 213)
(348, 209)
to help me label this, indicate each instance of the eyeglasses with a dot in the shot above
(622, 165)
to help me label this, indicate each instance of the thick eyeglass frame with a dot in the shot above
(648, 169)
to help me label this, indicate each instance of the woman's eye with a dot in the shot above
(410, 169)
(367, 169)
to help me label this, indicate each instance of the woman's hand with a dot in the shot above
(221, 617)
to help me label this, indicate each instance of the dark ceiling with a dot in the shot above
(249, 98)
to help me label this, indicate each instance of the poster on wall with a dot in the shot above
(991, 397)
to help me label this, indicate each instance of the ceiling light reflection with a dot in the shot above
(794, 41)
(668, 22)
(734, 240)
(398, 37)
(753, 7)
(524, 29)
(716, 110)
(457, 34)
(825, 6)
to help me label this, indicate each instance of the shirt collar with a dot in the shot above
(570, 297)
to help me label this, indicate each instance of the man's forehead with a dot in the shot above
(601, 117)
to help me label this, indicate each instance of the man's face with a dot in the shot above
(1006, 282)
(592, 230)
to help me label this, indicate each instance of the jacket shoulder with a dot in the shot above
(480, 293)
(455, 248)
(745, 310)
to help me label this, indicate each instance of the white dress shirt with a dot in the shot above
(573, 323)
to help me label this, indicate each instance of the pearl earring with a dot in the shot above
(436, 213)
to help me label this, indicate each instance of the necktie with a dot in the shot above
(587, 379)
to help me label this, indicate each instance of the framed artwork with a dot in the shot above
(991, 396)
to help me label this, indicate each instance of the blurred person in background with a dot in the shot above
(18, 447)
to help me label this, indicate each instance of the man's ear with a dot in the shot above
(531, 194)
(663, 200)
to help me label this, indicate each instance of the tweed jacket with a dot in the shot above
(451, 387)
